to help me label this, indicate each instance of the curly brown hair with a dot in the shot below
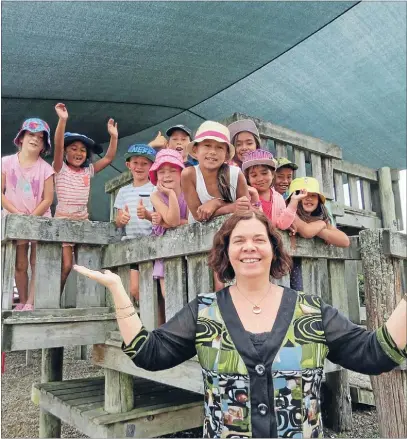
(219, 259)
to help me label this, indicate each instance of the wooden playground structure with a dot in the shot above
(132, 402)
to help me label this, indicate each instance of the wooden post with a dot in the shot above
(200, 276)
(387, 204)
(339, 192)
(81, 352)
(51, 370)
(316, 166)
(352, 289)
(381, 250)
(8, 272)
(353, 191)
(366, 195)
(281, 149)
(327, 177)
(119, 392)
(175, 280)
(340, 413)
(299, 159)
(395, 181)
(315, 276)
(148, 296)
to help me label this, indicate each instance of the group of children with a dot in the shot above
(177, 181)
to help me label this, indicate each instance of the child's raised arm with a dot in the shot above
(331, 235)
(5, 203)
(111, 151)
(62, 113)
(170, 214)
(48, 197)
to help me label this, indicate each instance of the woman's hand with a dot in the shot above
(107, 278)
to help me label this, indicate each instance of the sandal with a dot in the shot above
(28, 307)
(19, 307)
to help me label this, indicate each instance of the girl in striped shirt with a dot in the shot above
(73, 170)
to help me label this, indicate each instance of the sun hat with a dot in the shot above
(283, 162)
(141, 150)
(243, 125)
(35, 125)
(311, 184)
(258, 157)
(164, 156)
(87, 141)
(215, 131)
(183, 128)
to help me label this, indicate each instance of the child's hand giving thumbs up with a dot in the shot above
(141, 210)
(124, 216)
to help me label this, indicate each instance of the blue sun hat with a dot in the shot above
(87, 141)
(35, 125)
(141, 150)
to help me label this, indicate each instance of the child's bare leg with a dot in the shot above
(134, 284)
(21, 272)
(217, 283)
(31, 285)
(66, 266)
(161, 304)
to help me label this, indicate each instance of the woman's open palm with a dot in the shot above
(107, 278)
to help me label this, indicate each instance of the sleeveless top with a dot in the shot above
(202, 192)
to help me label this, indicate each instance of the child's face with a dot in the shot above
(33, 142)
(244, 143)
(260, 177)
(283, 179)
(310, 202)
(75, 153)
(169, 176)
(179, 141)
(211, 154)
(139, 167)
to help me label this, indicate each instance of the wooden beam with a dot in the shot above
(118, 182)
(355, 170)
(387, 204)
(339, 191)
(119, 395)
(291, 137)
(8, 253)
(299, 160)
(38, 228)
(327, 177)
(281, 149)
(175, 286)
(366, 195)
(394, 244)
(200, 276)
(353, 191)
(148, 296)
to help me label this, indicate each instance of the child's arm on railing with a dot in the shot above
(331, 235)
(5, 203)
(242, 198)
(62, 113)
(111, 151)
(308, 230)
(170, 214)
(48, 197)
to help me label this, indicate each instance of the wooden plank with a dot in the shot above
(351, 219)
(299, 160)
(355, 169)
(148, 296)
(362, 396)
(197, 239)
(49, 335)
(58, 230)
(8, 272)
(338, 292)
(353, 191)
(327, 177)
(175, 286)
(352, 290)
(387, 204)
(68, 297)
(394, 244)
(90, 293)
(366, 195)
(281, 149)
(291, 137)
(118, 182)
(316, 165)
(200, 276)
(339, 190)
(374, 189)
(81, 352)
(187, 375)
(397, 202)
(48, 276)
(51, 370)
(119, 395)
(315, 276)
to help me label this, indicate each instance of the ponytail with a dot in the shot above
(223, 183)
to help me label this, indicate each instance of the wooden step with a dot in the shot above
(159, 409)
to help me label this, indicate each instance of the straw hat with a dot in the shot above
(311, 184)
(214, 131)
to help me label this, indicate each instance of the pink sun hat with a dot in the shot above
(258, 157)
(164, 156)
(214, 131)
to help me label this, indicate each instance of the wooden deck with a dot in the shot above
(160, 409)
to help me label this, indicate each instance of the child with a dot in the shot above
(259, 167)
(312, 220)
(27, 188)
(212, 187)
(73, 171)
(169, 203)
(179, 136)
(284, 176)
(245, 137)
(132, 200)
